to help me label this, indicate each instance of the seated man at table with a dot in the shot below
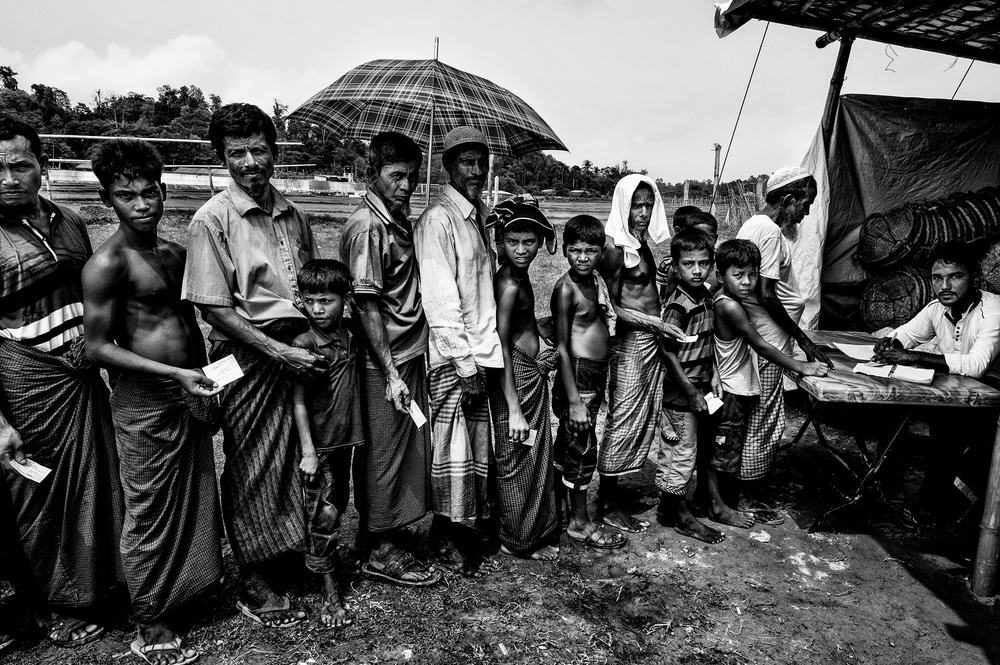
(964, 323)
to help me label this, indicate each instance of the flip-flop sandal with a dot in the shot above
(143, 650)
(66, 627)
(398, 563)
(765, 516)
(642, 525)
(329, 603)
(255, 614)
(486, 566)
(613, 540)
(530, 555)
(6, 641)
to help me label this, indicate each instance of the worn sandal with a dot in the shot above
(255, 614)
(148, 651)
(59, 632)
(398, 563)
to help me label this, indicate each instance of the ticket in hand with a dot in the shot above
(689, 339)
(530, 441)
(419, 419)
(714, 403)
(224, 371)
(31, 470)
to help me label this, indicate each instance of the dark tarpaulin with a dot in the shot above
(887, 151)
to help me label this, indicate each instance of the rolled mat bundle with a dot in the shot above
(908, 234)
(895, 297)
(990, 269)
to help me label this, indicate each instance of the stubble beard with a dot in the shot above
(790, 231)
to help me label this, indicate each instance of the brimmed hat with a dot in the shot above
(522, 208)
(785, 176)
(462, 135)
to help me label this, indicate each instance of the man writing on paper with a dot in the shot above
(244, 248)
(964, 323)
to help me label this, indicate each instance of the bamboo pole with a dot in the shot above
(836, 83)
(984, 571)
(430, 141)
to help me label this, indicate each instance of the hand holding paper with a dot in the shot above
(224, 371)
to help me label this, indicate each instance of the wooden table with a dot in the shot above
(843, 386)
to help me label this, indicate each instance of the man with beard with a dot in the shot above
(245, 246)
(392, 473)
(775, 311)
(456, 268)
(636, 369)
(53, 402)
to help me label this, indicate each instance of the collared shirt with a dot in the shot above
(456, 272)
(970, 345)
(690, 310)
(775, 263)
(41, 295)
(378, 250)
(240, 256)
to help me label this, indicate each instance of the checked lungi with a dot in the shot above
(392, 473)
(525, 480)
(262, 500)
(460, 440)
(170, 541)
(70, 523)
(635, 390)
(766, 424)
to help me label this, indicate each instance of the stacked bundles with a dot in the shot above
(893, 298)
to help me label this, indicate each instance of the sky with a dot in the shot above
(647, 81)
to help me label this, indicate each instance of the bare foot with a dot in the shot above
(332, 612)
(692, 528)
(544, 553)
(728, 516)
(157, 644)
(622, 521)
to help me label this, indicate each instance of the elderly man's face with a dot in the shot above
(250, 161)
(641, 211)
(951, 282)
(468, 173)
(394, 184)
(20, 175)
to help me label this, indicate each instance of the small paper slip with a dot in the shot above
(31, 470)
(689, 339)
(530, 441)
(901, 372)
(419, 419)
(224, 371)
(857, 351)
(714, 403)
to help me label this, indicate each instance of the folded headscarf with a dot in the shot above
(617, 224)
(523, 207)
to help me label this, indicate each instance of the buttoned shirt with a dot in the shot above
(240, 256)
(378, 251)
(456, 276)
(969, 344)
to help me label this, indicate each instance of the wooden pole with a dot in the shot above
(430, 142)
(836, 83)
(984, 571)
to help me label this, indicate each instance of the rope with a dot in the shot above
(722, 169)
(963, 79)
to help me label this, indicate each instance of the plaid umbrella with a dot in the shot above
(404, 95)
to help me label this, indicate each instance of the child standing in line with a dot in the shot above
(584, 321)
(687, 217)
(738, 262)
(328, 420)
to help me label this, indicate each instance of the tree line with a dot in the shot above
(185, 112)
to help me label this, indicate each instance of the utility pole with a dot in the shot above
(715, 179)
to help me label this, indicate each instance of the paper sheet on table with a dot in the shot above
(714, 403)
(419, 419)
(857, 351)
(31, 470)
(530, 441)
(224, 371)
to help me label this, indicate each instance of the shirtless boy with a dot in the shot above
(584, 321)
(519, 394)
(137, 326)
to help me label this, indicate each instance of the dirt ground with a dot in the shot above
(870, 588)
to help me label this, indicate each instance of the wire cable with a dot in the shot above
(963, 79)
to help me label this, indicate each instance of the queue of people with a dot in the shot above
(414, 365)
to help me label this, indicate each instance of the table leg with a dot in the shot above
(984, 571)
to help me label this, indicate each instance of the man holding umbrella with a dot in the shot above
(456, 267)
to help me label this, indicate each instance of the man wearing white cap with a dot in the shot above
(775, 312)
(636, 372)
(456, 277)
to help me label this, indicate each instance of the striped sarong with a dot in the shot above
(525, 481)
(170, 542)
(460, 440)
(766, 424)
(262, 501)
(392, 473)
(635, 390)
(70, 523)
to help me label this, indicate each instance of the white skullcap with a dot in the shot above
(784, 176)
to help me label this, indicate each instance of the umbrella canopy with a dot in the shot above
(399, 95)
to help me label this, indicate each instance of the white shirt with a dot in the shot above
(456, 280)
(969, 345)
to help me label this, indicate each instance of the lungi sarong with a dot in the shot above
(576, 452)
(70, 523)
(170, 541)
(392, 473)
(524, 473)
(460, 441)
(766, 424)
(261, 485)
(635, 391)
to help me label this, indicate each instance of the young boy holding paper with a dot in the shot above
(328, 420)
(138, 327)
